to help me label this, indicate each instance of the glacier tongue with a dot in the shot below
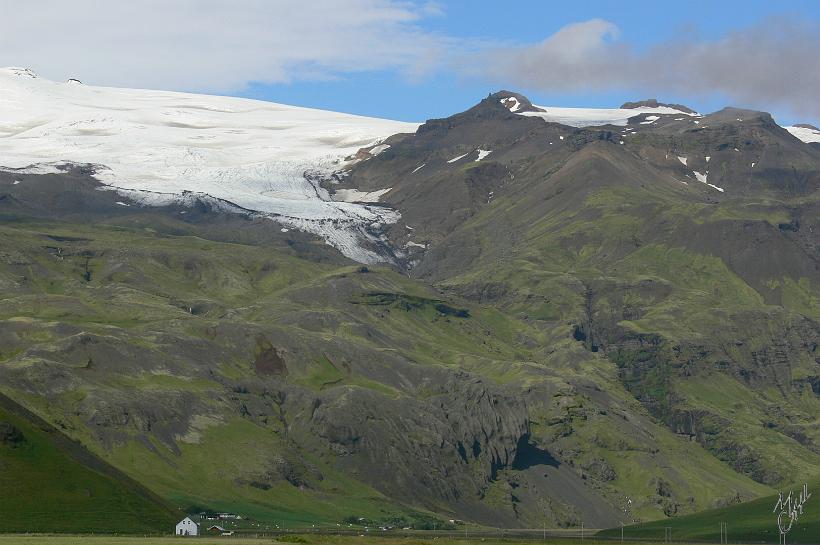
(160, 145)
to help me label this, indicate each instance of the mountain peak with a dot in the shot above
(732, 114)
(514, 102)
(653, 103)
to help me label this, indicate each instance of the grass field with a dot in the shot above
(752, 521)
(306, 540)
(79, 497)
(113, 540)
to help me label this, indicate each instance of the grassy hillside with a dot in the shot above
(237, 377)
(51, 486)
(164, 409)
(751, 521)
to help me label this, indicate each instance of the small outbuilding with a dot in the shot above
(187, 527)
(216, 529)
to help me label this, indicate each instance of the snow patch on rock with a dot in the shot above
(378, 149)
(591, 117)
(703, 178)
(511, 103)
(354, 195)
(804, 134)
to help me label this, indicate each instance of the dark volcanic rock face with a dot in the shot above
(268, 360)
(447, 448)
(653, 103)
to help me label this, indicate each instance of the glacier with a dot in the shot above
(158, 147)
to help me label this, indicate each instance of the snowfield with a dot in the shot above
(158, 147)
(593, 117)
(805, 134)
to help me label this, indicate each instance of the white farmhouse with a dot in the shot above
(187, 527)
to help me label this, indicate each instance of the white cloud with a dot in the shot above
(222, 45)
(215, 44)
(773, 64)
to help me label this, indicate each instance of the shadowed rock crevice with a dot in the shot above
(528, 454)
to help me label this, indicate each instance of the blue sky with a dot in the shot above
(387, 93)
(418, 59)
